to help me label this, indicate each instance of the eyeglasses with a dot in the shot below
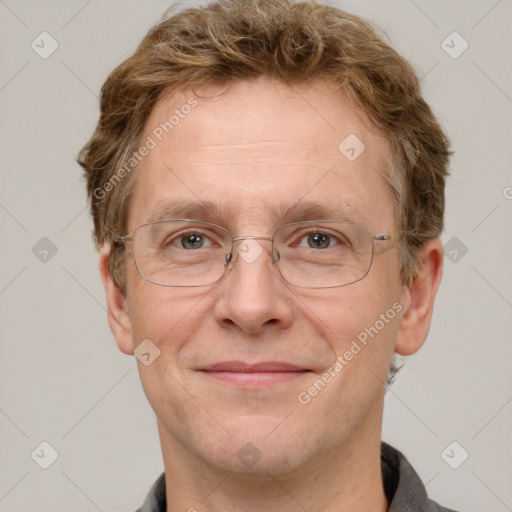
(309, 254)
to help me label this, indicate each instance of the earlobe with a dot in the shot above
(118, 315)
(418, 299)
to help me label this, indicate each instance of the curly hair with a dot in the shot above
(292, 42)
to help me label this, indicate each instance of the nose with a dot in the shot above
(252, 294)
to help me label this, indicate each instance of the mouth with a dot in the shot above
(246, 375)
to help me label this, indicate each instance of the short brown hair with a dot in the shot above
(292, 42)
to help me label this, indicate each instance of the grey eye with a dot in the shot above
(319, 241)
(192, 241)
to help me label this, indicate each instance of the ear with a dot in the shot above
(418, 299)
(118, 315)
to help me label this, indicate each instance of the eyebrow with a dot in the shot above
(221, 212)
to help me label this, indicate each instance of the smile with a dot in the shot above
(254, 375)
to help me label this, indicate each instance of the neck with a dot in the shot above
(346, 479)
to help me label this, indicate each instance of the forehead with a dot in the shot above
(257, 147)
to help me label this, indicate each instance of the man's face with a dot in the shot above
(255, 147)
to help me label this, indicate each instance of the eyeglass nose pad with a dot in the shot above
(277, 256)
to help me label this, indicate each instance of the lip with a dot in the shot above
(242, 367)
(255, 375)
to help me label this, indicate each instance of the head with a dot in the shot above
(243, 106)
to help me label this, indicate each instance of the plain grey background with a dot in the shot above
(63, 380)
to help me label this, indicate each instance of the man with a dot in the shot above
(267, 188)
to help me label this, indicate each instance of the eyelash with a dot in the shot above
(302, 236)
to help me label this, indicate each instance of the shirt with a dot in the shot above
(403, 488)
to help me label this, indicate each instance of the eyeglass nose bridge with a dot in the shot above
(229, 256)
(252, 238)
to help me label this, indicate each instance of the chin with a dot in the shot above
(260, 445)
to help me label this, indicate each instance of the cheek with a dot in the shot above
(154, 310)
(361, 321)
(362, 336)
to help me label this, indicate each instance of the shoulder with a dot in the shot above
(156, 499)
(407, 489)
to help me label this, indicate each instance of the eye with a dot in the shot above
(321, 240)
(191, 240)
